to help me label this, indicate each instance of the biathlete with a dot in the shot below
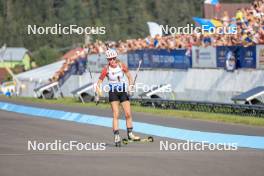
(119, 91)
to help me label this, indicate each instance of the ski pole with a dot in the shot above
(134, 82)
(139, 65)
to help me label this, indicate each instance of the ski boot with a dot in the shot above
(133, 137)
(117, 140)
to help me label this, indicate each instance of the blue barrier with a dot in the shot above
(159, 58)
(245, 56)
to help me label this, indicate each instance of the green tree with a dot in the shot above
(45, 55)
(123, 19)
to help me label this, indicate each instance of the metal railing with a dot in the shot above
(213, 107)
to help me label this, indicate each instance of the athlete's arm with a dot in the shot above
(100, 81)
(98, 87)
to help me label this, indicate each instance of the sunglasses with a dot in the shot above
(109, 59)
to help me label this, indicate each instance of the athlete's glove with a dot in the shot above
(98, 93)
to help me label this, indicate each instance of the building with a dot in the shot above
(11, 57)
(3, 74)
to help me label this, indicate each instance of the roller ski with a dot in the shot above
(133, 138)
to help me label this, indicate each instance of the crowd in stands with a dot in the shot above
(250, 31)
(69, 61)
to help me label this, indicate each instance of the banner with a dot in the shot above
(248, 57)
(260, 56)
(159, 58)
(245, 56)
(222, 54)
(203, 57)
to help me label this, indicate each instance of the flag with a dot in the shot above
(208, 22)
(156, 43)
(205, 23)
(216, 23)
(212, 2)
(215, 3)
(154, 29)
(147, 41)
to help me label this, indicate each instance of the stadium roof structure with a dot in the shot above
(41, 74)
(14, 54)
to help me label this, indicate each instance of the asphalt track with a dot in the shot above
(140, 159)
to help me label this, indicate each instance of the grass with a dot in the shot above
(246, 120)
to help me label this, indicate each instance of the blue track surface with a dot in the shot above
(256, 142)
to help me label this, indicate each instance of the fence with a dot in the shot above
(251, 57)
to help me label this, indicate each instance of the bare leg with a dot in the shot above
(127, 111)
(115, 110)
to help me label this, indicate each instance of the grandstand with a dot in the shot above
(193, 84)
(194, 67)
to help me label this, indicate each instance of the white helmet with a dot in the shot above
(110, 53)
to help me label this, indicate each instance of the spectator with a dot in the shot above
(250, 31)
(225, 19)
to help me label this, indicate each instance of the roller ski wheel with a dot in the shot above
(142, 140)
(150, 139)
(118, 144)
(125, 141)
